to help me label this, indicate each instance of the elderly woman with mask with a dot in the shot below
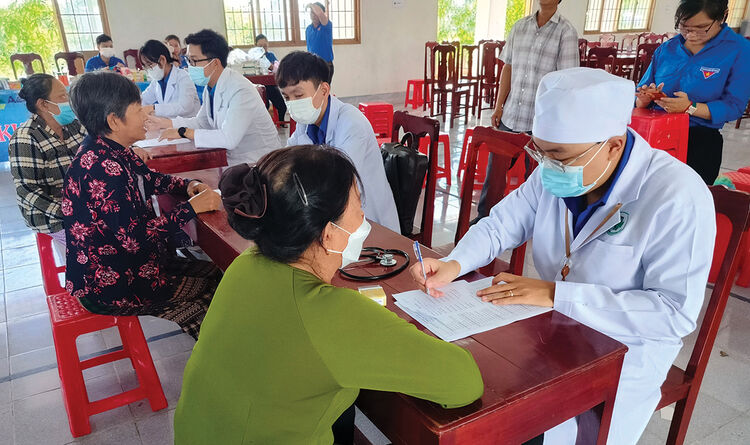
(118, 260)
(283, 353)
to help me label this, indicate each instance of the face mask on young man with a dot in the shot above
(567, 181)
(198, 74)
(303, 111)
(107, 52)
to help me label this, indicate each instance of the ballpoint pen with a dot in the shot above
(418, 253)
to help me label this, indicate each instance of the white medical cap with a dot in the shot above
(582, 105)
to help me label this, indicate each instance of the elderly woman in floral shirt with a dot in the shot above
(118, 259)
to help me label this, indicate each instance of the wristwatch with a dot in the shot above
(181, 131)
(692, 108)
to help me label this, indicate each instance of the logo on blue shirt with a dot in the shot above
(709, 72)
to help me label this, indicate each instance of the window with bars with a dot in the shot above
(81, 21)
(737, 9)
(284, 22)
(618, 15)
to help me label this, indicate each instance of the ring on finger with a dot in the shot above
(510, 293)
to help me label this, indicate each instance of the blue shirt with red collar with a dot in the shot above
(581, 211)
(717, 75)
(317, 133)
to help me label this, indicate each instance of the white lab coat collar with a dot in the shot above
(171, 85)
(625, 190)
(219, 89)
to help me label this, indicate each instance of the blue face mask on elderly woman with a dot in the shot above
(66, 114)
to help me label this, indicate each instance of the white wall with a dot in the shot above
(391, 51)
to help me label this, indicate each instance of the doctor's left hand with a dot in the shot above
(519, 290)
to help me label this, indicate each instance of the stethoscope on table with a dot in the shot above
(376, 256)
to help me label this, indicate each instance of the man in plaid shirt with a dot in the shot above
(538, 44)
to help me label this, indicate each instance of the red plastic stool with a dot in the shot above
(744, 170)
(416, 88)
(443, 171)
(482, 160)
(741, 181)
(69, 321)
(380, 115)
(664, 131)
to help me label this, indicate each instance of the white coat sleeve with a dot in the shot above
(149, 96)
(509, 224)
(675, 262)
(187, 103)
(197, 122)
(294, 139)
(238, 117)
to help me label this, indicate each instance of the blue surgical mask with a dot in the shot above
(66, 114)
(198, 75)
(568, 181)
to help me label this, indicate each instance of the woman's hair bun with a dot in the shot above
(243, 191)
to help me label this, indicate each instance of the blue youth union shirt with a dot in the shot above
(320, 41)
(96, 63)
(718, 75)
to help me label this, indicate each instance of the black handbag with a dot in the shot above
(405, 168)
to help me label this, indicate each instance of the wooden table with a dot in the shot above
(537, 372)
(177, 158)
(262, 79)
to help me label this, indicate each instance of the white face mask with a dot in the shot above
(353, 248)
(107, 52)
(303, 111)
(155, 73)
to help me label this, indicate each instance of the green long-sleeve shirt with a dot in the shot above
(282, 354)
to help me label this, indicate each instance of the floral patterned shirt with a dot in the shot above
(117, 245)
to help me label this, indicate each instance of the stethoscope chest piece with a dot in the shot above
(380, 258)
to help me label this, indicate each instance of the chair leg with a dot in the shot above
(683, 411)
(447, 161)
(72, 384)
(132, 336)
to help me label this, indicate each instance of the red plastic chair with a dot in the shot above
(133, 53)
(427, 92)
(422, 127)
(507, 148)
(745, 115)
(664, 131)
(443, 171)
(414, 93)
(69, 321)
(73, 60)
(583, 46)
(380, 115)
(682, 386)
(483, 158)
(741, 180)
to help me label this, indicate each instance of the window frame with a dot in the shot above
(102, 14)
(649, 20)
(293, 27)
(742, 17)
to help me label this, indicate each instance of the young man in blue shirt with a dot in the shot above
(106, 57)
(319, 35)
(704, 72)
(272, 92)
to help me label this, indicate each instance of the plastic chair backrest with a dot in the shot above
(420, 127)
(134, 54)
(643, 57)
(27, 59)
(470, 58)
(444, 65)
(600, 57)
(70, 59)
(428, 60)
(490, 53)
(50, 271)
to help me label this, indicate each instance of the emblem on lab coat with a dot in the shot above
(624, 217)
(709, 72)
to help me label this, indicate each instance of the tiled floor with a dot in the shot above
(31, 407)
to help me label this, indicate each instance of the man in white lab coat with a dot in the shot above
(232, 116)
(323, 119)
(623, 237)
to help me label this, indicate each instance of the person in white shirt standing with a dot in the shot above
(538, 44)
(171, 93)
(324, 120)
(232, 115)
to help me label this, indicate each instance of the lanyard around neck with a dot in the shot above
(566, 266)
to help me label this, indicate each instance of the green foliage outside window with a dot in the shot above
(516, 11)
(457, 21)
(28, 26)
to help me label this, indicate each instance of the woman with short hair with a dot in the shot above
(40, 153)
(283, 353)
(118, 260)
(171, 93)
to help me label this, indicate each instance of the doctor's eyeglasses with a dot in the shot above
(538, 155)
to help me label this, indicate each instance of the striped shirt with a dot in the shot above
(38, 162)
(533, 52)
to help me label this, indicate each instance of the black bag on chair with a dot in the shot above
(405, 168)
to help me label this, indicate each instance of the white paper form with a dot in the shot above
(459, 313)
(155, 142)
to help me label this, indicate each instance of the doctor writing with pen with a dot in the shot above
(623, 237)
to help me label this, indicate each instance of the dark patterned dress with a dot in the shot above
(118, 257)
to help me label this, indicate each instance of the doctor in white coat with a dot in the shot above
(171, 93)
(623, 237)
(323, 119)
(232, 116)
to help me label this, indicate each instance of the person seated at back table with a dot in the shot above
(171, 93)
(119, 261)
(283, 352)
(232, 116)
(106, 57)
(40, 152)
(323, 119)
(179, 59)
(272, 91)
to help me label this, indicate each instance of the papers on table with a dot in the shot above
(155, 142)
(459, 313)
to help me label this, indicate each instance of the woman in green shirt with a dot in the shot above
(283, 353)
